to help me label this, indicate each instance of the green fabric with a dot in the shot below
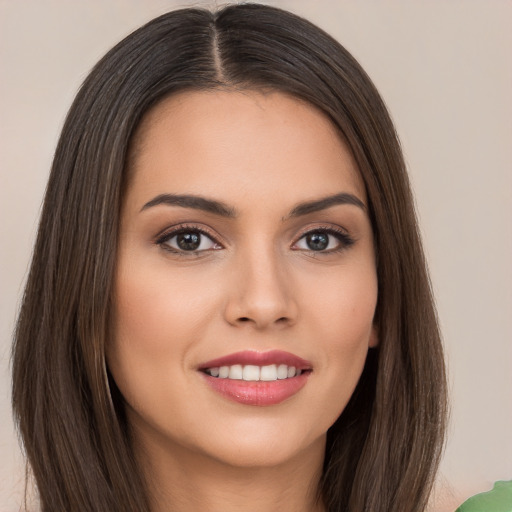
(499, 499)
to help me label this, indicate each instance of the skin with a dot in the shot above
(255, 284)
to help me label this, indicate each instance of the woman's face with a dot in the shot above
(246, 283)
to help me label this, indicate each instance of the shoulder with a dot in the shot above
(447, 497)
(498, 499)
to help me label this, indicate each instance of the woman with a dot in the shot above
(228, 305)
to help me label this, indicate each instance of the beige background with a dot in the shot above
(444, 69)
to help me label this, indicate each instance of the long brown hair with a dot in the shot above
(383, 451)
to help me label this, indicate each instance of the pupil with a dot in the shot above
(317, 241)
(189, 241)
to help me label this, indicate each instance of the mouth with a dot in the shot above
(253, 373)
(257, 378)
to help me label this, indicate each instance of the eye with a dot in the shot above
(187, 240)
(324, 240)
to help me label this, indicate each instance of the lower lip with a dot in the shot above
(261, 393)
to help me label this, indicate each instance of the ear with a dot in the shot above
(374, 337)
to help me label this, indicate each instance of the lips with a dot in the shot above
(258, 359)
(257, 378)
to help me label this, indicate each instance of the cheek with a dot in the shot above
(158, 318)
(343, 305)
(341, 320)
(156, 307)
(351, 310)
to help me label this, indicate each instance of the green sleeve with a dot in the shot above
(499, 499)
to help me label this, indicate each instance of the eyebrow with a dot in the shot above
(223, 210)
(191, 201)
(326, 202)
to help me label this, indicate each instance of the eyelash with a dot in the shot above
(181, 229)
(344, 239)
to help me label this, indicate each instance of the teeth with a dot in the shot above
(268, 372)
(235, 372)
(251, 372)
(282, 371)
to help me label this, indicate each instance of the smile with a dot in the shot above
(254, 373)
(257, 378)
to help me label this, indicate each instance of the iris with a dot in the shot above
(188, 241)
(317, 241)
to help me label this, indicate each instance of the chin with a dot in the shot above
(261, 447)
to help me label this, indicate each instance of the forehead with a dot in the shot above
(238, 142)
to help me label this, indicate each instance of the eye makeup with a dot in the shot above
(189, 239)
(320, 240)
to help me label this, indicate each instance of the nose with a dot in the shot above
(261, 293)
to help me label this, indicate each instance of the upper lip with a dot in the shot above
(256, 358)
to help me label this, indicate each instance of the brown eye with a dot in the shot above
(188, 241)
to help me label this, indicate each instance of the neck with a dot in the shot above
(185, 481)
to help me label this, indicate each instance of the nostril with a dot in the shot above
(280, 320)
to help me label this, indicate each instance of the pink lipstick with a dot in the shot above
(257, 378)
